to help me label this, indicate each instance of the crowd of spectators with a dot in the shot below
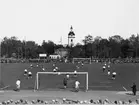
(101, 60)
(117, 60)
(13, 60)
(69, 101)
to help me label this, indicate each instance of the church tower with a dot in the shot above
(71, 37)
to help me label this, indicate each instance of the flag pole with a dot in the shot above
(25, 47)
(61, 40)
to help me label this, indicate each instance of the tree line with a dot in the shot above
(98, 47)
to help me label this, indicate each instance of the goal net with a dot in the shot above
(82, 60)
(54, 80)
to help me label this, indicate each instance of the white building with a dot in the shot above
(55, 56)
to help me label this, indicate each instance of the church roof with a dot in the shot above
(71, 33)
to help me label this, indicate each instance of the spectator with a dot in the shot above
(134, 89)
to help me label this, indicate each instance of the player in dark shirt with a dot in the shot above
(65, 82)
(134, 89)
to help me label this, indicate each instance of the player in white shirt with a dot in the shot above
(77, 83)
(25, 72)
(66, 60)
(82, 63)
(75, 73)
(53, 65)
(109, 72)
(113, 75)
(54, 70)
(31, 65)
(29, 74)
(104, 68)
(105, 64)
(108, 66)
(18, 82)
(77, 67)
(67, 76)
(43, 69)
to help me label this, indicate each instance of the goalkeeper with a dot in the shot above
(65, 83)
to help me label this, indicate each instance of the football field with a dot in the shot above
(100, 84)
(97, 80)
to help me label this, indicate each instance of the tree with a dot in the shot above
(88, 39)
(10, 46)
(104, 48)
(134, 41)
(77, 51)
(115, 46)
(49, 47)
(125, 48)
(96, 42)
(116, 38)
(31, 49)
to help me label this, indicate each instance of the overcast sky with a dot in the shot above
(40, 20)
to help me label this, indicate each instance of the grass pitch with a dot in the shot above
(126, 75)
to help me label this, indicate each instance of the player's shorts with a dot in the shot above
(103, 69)
(25, 73)
(75, 75)
(18, 86)
(30, 75)
(76, 87)
(113, 76)
(65, 84)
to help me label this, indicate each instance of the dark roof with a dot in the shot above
(71, 33)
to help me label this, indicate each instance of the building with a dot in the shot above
(63, 52)
(71, 37)
(55, 56)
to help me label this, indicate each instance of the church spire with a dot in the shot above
(71, 28)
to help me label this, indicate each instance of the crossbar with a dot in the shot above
(62, 72)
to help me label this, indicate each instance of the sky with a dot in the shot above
(39, 20)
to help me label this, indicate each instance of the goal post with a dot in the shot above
(85, 60)
(54, 78)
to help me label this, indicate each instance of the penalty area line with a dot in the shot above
(124, 92)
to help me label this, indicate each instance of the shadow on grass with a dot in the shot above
(131, 94)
